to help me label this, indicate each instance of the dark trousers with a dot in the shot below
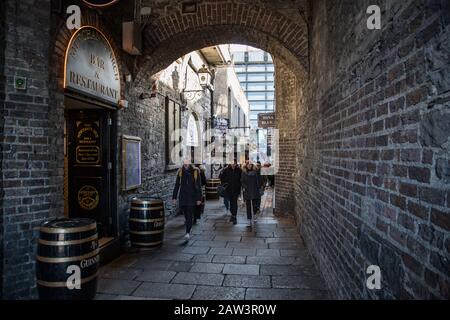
(258, 204)
(251, 204)
(189, 212)
(233, 205)
(226, 202)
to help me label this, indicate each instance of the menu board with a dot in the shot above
(131, 162)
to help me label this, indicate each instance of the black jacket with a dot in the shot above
(187, 187)
(251, 185)
(233, 179)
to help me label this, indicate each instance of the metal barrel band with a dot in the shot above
(147, 232)
(67, 243)
(91, 226)
(147, 220)
(51, 284)
(147, 209)
(67, 259)
(147, 244)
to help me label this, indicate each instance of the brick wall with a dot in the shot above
(2, 122)
(373, 184)
(25, 146)
(286, 86)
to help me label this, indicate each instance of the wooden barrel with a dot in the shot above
(147, 223)
(67, 260)
(211, 189)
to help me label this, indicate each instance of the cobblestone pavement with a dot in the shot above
(221, 261)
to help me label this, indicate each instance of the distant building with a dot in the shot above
(255, 71)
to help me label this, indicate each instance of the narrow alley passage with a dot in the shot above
(221, 261)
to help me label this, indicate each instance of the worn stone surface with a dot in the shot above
(224, 276)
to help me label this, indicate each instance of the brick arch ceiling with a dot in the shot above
(171, 36)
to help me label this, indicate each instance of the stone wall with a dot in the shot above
(2, 122)
(372, 185)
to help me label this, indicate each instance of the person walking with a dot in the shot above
(261, 189)
(232, 176)
(199, 209)
(251, 186)
(226, 200)
(188, 190)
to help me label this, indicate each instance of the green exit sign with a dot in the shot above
(20, 83)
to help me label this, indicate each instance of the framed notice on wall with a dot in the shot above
(131, 162)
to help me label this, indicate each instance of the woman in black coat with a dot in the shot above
(251, 187)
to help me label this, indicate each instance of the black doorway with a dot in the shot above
(90, 164)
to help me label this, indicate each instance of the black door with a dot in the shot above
(89, 143)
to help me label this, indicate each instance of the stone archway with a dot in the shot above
(281, 33)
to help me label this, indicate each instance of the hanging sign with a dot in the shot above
(91, 66)
(266, 120)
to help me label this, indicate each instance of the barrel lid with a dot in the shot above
(68, 225)
(147, 201)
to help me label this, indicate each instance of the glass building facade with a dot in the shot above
(255, 71)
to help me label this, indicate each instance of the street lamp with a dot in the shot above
(204, 78)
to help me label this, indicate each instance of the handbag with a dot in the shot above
(221, 189)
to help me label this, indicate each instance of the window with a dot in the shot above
(240, 68)
(270, 68)
(239, 56)
(256, 68)
(256, 86)
(173, 138)
(256, 96)
(256, 56)
(242, 77)
(270, 77)
(270, 95)
(256, 77)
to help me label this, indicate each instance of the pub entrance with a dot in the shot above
(90, 164)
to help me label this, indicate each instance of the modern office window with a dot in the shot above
(256, 68)
(256, 86)
(256, 77)
(256, 96)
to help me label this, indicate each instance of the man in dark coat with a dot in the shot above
(232, 177)
(188, 190)
(251, 186)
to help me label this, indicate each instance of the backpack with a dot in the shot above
(180, 174)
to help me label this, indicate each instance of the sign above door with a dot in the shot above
(91, 67)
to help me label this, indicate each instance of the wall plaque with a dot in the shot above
(91, 66)
(266, 120)
(131, 162)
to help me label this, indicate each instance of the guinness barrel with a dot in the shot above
(211, 189)
(147, 223)
(67, 260)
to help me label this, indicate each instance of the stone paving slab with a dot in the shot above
(207, 267)
(221, 251)
(120, 273)
(229, 259)
(298, 282)
(284, 294)
(157, 276)
(240, 281)
(244, 269)
(210, 279)
(271, 260)
(203, 258)
(244, 252)
(165, 291)
(117, 286)
(218, 293)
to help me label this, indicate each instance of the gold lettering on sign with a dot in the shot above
(93, 85)
(88, 198)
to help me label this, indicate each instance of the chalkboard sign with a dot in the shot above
(131, 162)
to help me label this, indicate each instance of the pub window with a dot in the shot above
(173, 138)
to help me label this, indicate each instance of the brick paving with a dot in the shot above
(221, 261)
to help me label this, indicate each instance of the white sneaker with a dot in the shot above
(187, 236)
